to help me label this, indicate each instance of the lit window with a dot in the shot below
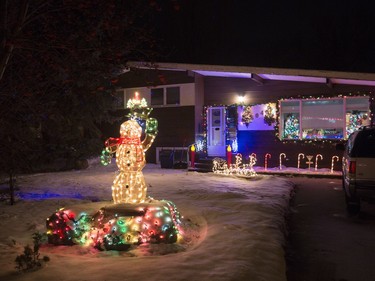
(323, 118)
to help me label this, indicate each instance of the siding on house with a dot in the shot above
(223, 91)
(263, 142)
(153, 77)
(176, 129)
(176, 123)
(180, 125)
(175, 126)
(219, 90)
(187, 97)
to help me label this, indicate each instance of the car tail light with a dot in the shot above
(352, 167)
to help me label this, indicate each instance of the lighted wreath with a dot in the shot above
(247, 116)
(269, 115)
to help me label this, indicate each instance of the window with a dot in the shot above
(290, 119)
(157, 96)
(322, 119)
(173, 95)
(165, 96)
(333, 118)
(357, 114)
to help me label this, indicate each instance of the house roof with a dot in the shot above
(262, 74)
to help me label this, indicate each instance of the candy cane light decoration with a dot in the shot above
(280, 156)
(300, 156)
(333, 162)
(316, 160)
(253, 155)
(268, 155)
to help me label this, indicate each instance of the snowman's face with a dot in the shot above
(130, 129)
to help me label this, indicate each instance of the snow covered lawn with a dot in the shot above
(234, 228)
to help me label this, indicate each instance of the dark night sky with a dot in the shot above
(332, 35)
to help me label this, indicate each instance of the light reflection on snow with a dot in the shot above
(42, 196)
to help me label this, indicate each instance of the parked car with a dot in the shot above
(358, 168)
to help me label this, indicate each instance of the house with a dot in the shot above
(261, 111)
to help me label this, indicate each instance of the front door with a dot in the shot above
(216, 131)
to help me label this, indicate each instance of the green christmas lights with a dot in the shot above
(354, 120)
(291, 126)
(117, 227)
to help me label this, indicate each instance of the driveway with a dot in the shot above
(325, 243)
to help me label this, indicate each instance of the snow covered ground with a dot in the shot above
(234, 228)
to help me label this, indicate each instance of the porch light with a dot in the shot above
(240, 99)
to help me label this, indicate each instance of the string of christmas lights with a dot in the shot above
(118, 227)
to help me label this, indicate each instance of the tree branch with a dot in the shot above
(8, 45)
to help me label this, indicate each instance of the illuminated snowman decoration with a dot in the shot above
(129, 185)
(134, 218)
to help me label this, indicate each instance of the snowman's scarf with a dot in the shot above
(117, 141)
(128, 141)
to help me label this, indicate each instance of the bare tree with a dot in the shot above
(59, 64)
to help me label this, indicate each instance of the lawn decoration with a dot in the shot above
(333, 162)
(116, 227)
(134, 218)
(280, 160)
(253, 155)
(192, 156)
(252, 161)
(309, 162)
(316, 160)
(266, 157)
(300, 156)
(220, 166)
(229, 156)
(238, 158)
(129, 185)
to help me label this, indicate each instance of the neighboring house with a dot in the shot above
(254, 110)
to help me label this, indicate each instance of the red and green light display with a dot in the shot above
(117, 227)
